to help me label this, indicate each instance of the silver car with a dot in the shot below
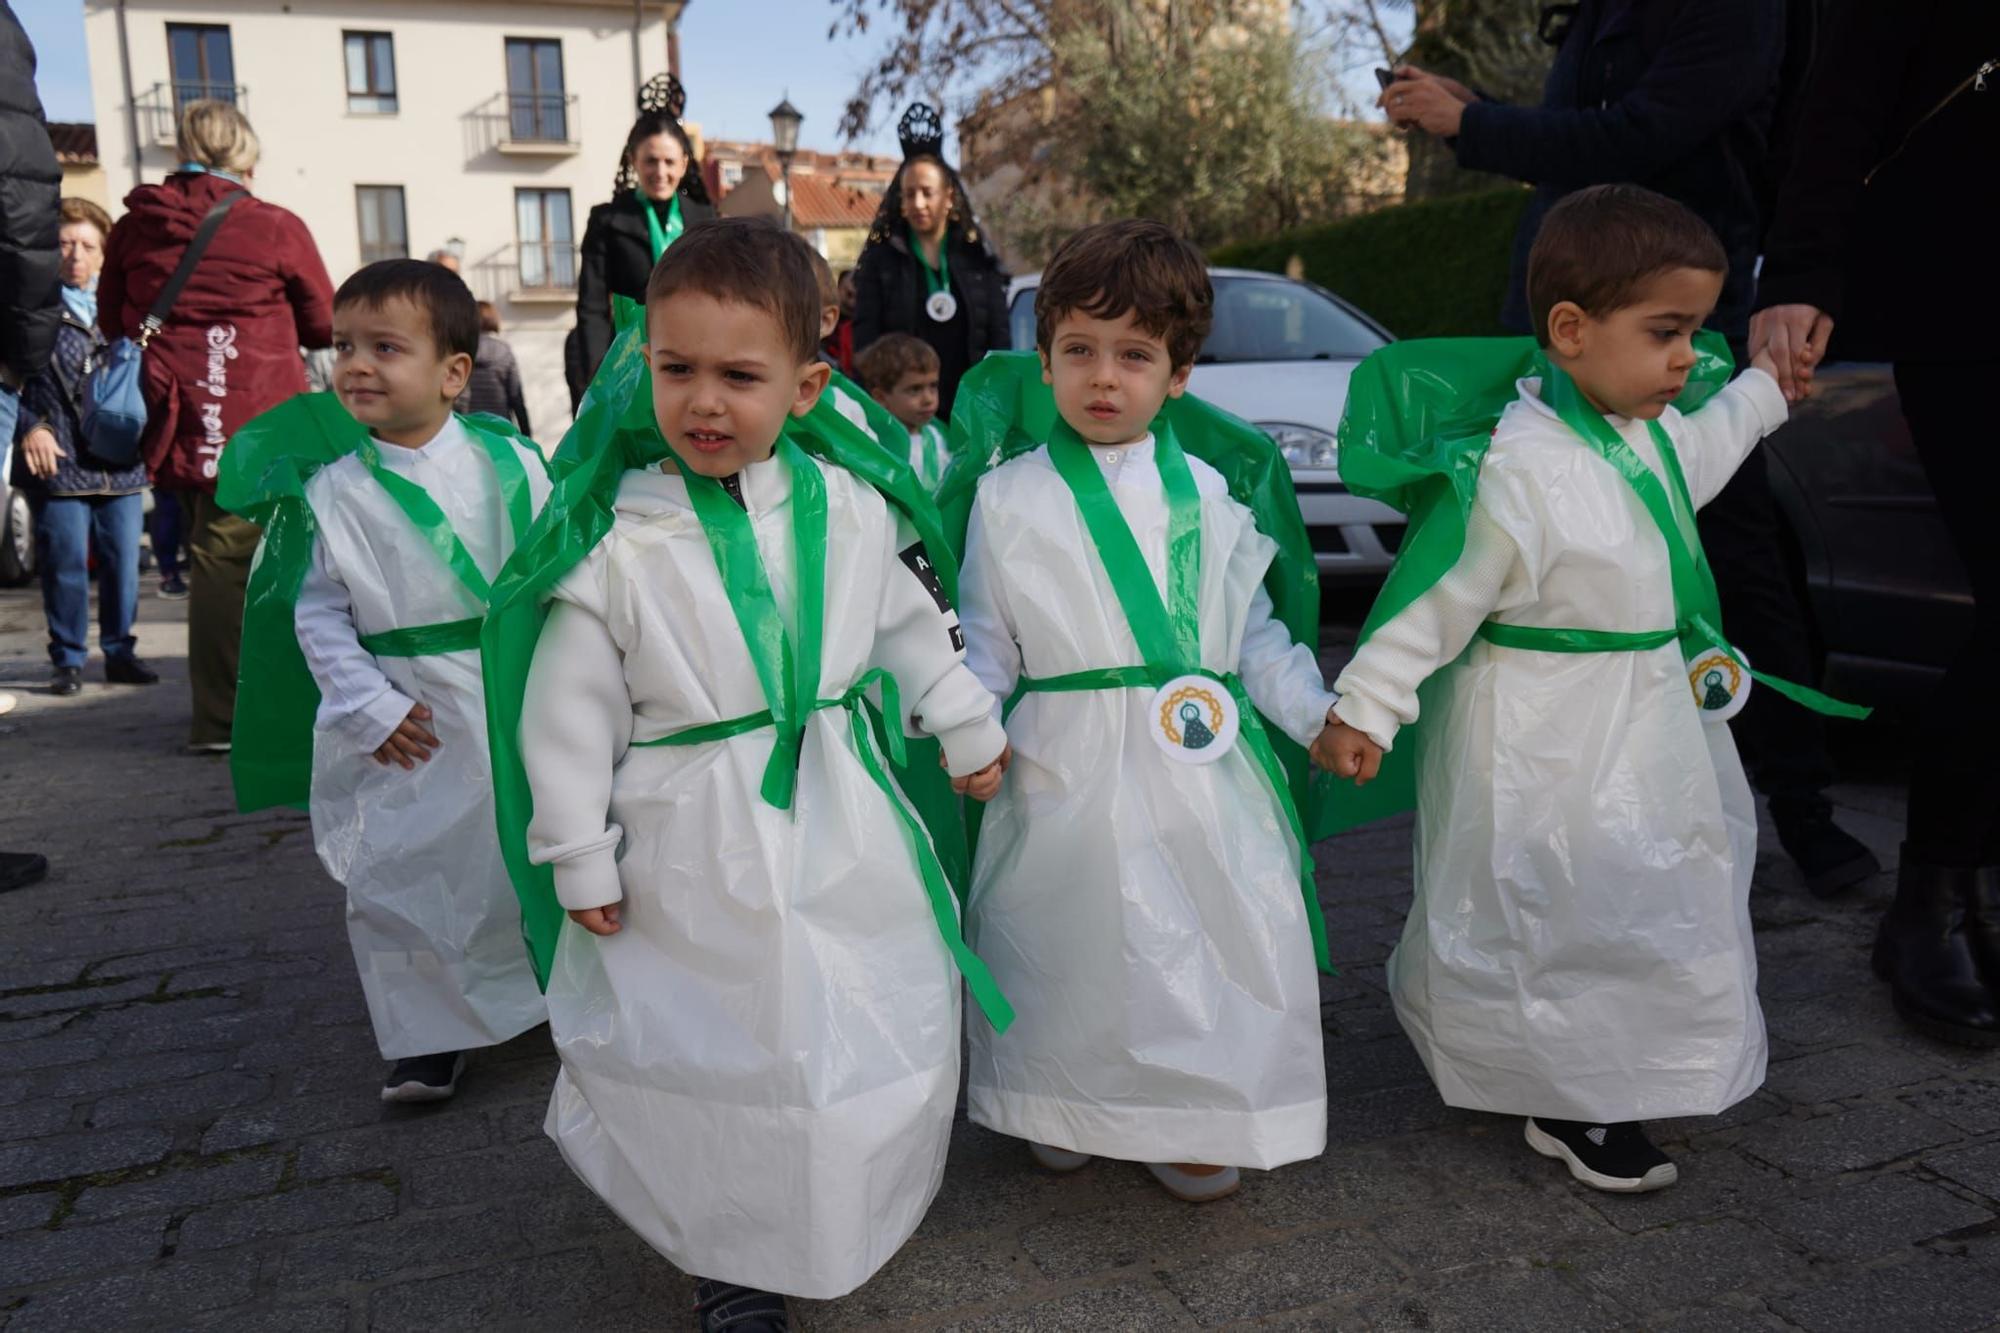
(1279, 355)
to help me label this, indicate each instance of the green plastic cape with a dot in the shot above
(1003, 409)
(263, 478)
(613, 434)
(1419, 417)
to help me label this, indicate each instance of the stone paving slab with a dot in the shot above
(190, 1135)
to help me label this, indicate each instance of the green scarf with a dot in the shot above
(661, 234)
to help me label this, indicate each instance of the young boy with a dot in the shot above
(1136, 883)
(409, 530)
(1579, 951)
(901, 373)
(758, 1021)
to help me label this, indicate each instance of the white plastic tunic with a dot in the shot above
(1580, 942)
(1143, 915)
(431, 914)
(759, 1071)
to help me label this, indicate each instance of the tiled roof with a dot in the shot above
(817, 202)
(76, 145)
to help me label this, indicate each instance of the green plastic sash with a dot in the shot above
(787, 677)
(661, 236)
(935, 279)
(1697, 605)
(1168, 631)
(452, 636)
(423, 512)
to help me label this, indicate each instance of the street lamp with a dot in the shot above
(785, 120)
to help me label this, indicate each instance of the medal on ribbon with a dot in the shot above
(1721, 683)
(1194, 720)
(940, 305)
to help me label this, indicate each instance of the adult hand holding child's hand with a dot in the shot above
(410, 741)
(1347, 753)
(985, 784)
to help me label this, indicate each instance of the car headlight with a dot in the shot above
(1303, 446)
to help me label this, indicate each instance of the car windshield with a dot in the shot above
(1257, 319)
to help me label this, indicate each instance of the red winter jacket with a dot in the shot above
(230, 348)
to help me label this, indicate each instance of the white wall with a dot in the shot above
(449, 61)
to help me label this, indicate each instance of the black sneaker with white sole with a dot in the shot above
(724, 1307)
(424, 1078)
(1617, 1158)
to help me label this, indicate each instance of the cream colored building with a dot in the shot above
(489, 129)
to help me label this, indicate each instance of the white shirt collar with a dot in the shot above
(449, 436)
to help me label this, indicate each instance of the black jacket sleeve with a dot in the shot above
(1845, 126)
(872, 273)
(593, 292)
(999, 328)
(30, 190)
(1709, 72)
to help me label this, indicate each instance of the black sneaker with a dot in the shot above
(20, 869)
(1831, 859)
(722, 1307)
(424, 1078)
(1618, 1158)
(127, 669)
(173, 588)
(66, 681)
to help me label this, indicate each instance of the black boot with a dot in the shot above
(723, 1307)
(1831, 859)
(1939, 950)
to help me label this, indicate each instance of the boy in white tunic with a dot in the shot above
(1579, 951)
(1137, 883)
(901, 373)
(409, 529)
(758, 1020)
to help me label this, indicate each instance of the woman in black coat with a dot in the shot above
(926, 270)
(658, 193)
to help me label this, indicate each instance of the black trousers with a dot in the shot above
(1954, 815)
(1783, 744)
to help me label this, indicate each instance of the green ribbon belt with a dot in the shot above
(937, 887)
(935, 279)
(661, 235)
(1697, 605)
(1168, 631)
(453, 636)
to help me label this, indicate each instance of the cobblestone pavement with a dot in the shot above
(190, 1135)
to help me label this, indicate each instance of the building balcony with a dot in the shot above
(533, 274)
(525, 125)
(159, 109)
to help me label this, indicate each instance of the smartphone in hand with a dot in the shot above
(1384, 77)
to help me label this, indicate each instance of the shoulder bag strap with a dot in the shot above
(156, 318)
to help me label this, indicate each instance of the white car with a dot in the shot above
(1279, 355)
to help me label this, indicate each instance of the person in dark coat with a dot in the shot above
(81, 502)
(926, 270)
(229, 350)
(1883, 242)
(657, 194)
(30, 308)
(495, 384)
(1679, 96)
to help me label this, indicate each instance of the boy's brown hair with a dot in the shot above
(884, 363)
(1599, 246)
(441, 295)
(746, 261)
(1110, 268)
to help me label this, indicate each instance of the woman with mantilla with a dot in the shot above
(657, 195)
(926, 270)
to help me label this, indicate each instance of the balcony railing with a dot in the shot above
(524, 124)
(160, 108)
(536, 273)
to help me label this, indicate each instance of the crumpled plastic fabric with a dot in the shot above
(614, 433)
(1414, 432)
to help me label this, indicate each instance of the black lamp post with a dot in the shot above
(785, 120)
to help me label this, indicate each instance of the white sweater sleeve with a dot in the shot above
(1378, 691)
(576, 723)
(919, 641)
(1715, 438)
(1281, 677)
(357, 703)
(991, 649)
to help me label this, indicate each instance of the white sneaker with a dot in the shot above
(1190, 1188)
(1060, 1160)
(7, 702)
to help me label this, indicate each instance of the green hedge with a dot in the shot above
(1425, 270)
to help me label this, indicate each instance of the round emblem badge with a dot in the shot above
(1721, 684)
(941, 307)
(1194, 719)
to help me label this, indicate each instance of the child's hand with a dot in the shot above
(1347, 753)
(412, 740)
(985, 784)
(598, 920)
(1767, 363)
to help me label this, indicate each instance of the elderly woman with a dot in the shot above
(228, 351)
(79, 500)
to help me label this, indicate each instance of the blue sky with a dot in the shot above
(735, 71)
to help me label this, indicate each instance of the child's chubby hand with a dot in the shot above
(1346, 753)
(598, 920)
(411, 743)
(985, 784)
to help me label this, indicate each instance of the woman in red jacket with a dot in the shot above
(229, 350)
